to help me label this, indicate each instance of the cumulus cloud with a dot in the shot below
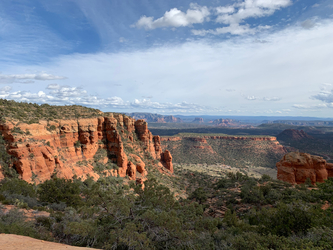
(66, 92)
(24, 77)
(175, 18)
(66, 95)
(234, 15)
(251, 8)
(251, 98)
(324, 96)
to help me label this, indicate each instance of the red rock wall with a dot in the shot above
(296, 167)
(40, 151)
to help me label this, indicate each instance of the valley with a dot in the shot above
(88, 178)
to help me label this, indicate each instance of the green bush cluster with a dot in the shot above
(6, 160)
(32, 112)
(110, 215)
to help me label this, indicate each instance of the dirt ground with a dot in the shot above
(18, 242)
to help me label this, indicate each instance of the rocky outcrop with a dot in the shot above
(166, 160)
(67, 147)
(293, 134)
(1, 174)
(172, 119)
(225, 123)
(296, 167)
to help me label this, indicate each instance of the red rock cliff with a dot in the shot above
(68, 147)
(296, 167)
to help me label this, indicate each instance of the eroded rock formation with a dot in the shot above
(296, 167)
(68, 147)
(166, 160)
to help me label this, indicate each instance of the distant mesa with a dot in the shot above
(198, 120)
(296, 167)
(293, 134)
(155, 118)
(225, 123)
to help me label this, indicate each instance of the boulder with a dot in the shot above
(296, 167)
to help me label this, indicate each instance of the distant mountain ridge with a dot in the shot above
(149, 117)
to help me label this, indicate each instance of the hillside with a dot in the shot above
(40, 141)
(236, 151)
(317, 143)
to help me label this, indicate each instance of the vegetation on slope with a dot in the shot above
(32, 112)
(235, 153)
(258, 213)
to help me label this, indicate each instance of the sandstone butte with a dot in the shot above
(67, 148)
(296, 167)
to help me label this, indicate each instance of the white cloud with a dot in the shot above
(175, 18)
(199, 72)
(225, 10)
(61, 95)
(308, 24)
(310, 107)
(21, 78)
(234, 15)
(324, 96)
(251, 98)
(53, 86)
(273, 99)
(234, 29)
(268, 99)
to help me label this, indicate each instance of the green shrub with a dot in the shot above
(18, 187)
(77, 144)
(60, 190)
(199, 195)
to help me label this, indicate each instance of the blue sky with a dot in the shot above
(237, 57)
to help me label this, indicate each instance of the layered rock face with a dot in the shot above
(296, 167)
(67, 147)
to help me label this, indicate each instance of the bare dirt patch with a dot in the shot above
(18, 242)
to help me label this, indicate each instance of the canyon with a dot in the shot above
(71, 148)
